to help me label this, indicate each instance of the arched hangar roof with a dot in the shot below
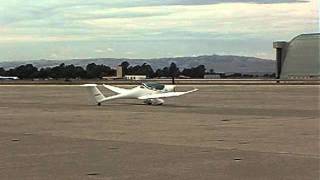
(302, 57)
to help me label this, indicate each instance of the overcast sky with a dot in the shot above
(61, 29)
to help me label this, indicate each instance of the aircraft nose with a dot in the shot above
(171, 88)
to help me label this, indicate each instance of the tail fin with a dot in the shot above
(95, 92)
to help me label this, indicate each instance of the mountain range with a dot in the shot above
(226, 63)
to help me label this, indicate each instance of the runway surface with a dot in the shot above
(220, 132)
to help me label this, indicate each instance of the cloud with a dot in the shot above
(208, 2)
(104, 50)
(18, 10)
(129, 52)
(53, 56)
(99, 51)
(110, 49)
(219, 21)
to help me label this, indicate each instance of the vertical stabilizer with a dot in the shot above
(95, 92)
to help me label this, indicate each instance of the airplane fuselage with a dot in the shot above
(141, 91)
(150, 93)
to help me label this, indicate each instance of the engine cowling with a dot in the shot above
(169, 88)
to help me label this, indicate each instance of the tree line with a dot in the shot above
(94, 71)
(171, 71)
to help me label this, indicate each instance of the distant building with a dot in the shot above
(299, 58)
(135, 77)
(120, 73)
(8, 78)
(183, 77)
(214, 75)
(110, 78)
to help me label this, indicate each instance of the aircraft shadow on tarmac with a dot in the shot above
(142, 104)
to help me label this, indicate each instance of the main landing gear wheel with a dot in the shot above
(99, 104)
(155, 102)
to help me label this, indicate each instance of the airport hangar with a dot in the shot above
(298, 58)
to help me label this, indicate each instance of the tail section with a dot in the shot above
(116, 89)
(95, 92)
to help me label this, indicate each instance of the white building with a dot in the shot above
(135, 77)
(8, 78)
(212, 76)
(119, 72)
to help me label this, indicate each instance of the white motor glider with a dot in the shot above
(150, 93)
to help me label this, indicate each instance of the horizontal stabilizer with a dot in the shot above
(115, 89)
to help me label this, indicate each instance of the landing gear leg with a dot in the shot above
(148, 102)
(99, 104)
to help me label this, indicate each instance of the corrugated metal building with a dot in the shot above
(299, 58)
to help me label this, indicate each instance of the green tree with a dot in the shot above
(3, 72)
(147, 70)
(98, 71)
(44, 73)
(173, 70)
(27, 71)
(197, 72)
(125, 65)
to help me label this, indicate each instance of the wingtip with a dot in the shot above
(106, 86)
(195, 89)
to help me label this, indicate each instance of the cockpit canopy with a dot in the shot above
(152, 85)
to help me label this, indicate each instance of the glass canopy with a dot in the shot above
(152, 85)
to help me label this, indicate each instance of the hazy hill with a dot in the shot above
(232, 64)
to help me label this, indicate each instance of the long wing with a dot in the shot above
(166, 95)
(112, 97)
(115, 89)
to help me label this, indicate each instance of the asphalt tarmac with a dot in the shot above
(220, 132)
